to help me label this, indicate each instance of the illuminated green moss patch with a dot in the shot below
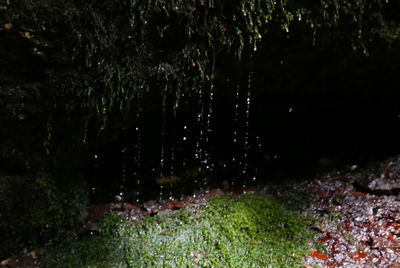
(247, 231)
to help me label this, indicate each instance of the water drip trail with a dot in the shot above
(247, 131)
(172, 163)
(200, 146)
(185, 140)
(235, 135)
(85, 132)
(186, 137)
(94, 173)
(200, 123)
(122, 190)
(137, 154)
(210, 165)
(163, 132)
(208, 157)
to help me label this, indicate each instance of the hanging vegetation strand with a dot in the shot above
(111, 50)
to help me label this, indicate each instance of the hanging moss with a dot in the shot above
(111, 50)
(65, 62)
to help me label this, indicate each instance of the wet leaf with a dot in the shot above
(358, 194)
(395, 225)
(360, 255)
(390, 237)
(175, 204)
(325, 239)
(319, 255)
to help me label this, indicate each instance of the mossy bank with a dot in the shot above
(251, 230)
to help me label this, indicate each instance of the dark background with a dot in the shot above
(314, 108)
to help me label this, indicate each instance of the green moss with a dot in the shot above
(247, 231)
(33, 210)
(114, 51)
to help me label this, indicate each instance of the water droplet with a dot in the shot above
(95, 156)
(290, 110)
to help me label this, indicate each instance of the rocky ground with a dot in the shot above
(356, 213)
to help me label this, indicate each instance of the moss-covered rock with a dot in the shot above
(247, 231)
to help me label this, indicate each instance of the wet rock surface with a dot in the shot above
(150, 208)
(380, 179)
(357, 228)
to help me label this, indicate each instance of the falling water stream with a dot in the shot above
(136, 172)
(163, 129)
(163, 141)
(235, 134)
(187, 144)
(94, 173)
(247, 132)
(122, 189)
(200, 123)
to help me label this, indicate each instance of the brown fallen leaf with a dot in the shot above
(175, 204)
(326, 238)
(395, 225)
(360, 255)
(357, 193)
(128, 206)
(318, 255)
(390, 237)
